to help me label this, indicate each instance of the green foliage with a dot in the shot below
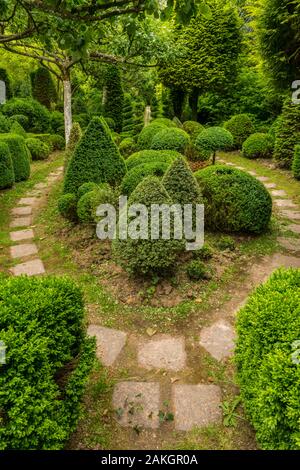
(38, 149)
(147, 134)
(19, 155)
(128, 117)
(296, 163)
(193, 128)
(164, 122)
(57, 123)
(17, 128)
(48, 360)
(170, 139)
(226, 243)
(38, 116)
(212, 139)
(43, 88)
(7, 175)
(127, 147)
(196, 270)
(67, 206)
(21, 119)
(146, 257)
(287, 134)
(89, 202)
(258, 145)
(96, 158)
(268, 373)
(75, 136)
(5, 124)
(205, 253)
(114, 99)
(56, 142)
(181, 184)
(4, 77)
(111, 123)
(138, 173)
(86, 188)
(241, 127)
(151, 156)
(234, 200)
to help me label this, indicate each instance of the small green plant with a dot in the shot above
(226, 243)
(197, 270)
(229, 412)
(205, 253)
(67, 206)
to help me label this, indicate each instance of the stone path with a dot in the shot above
(27, 253)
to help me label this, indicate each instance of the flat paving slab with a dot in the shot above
(291, 244)
(110, 343)
(218, 339)
(30, 268)
(27, 201)
(278, 192)
(22, 250)
(196, 405)
(252, 173)
(21, 222)
(20, 235)
(262, 178)
(163, 352)
(40, 186)
(291, 214)
(137, 404)
(26, 210)
(270, 185)
(294, 228)
(285, 203)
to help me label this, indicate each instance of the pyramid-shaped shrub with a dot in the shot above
(96, 159)
(7, 176)
(181, 184)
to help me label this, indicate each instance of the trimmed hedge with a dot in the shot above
(164, 122)
(38, 116)
(19, 155)
(240, 126)
(147, 134)
(114, 99)
(89, 202)
(57, 122)
(210, 140)
(151, 156)
(16, 128)
(67, 206)
(5, 124)
(54, 141)
(7, 175)
(287, 135)
(138, 173)
(296, 163)
(267, 358)
(181, 184)
(43, 87)
(258, 145)
(193, 128)
(21, 119)
(127, 147)
(48, 360)
(234, 200)
(38, 149)
(171, 139)
(96, 158)
(146, 257)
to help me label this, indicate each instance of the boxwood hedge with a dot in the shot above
(19, 154)
(171, 139)
(258, 145)
(7, 175)
(151, 156)
(138, 173)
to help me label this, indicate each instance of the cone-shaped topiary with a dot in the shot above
(181, 184)
(114, 98)
(19, 154)
(139, 256)
(287, 135)
(96, 158)
(43, 88)
(296, 163)
(7, 175)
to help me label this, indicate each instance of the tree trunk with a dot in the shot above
(67, 108)
(193, 102)
(147, 116)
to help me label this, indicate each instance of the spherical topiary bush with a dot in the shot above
(240, 126)
(38, 149)
(147, 134)
(210, 140)
(37, 114)
(151, 156)
(164, 121)
(96, 158)
(136, 174)
(86, 188)
(7, 175)
(296, 163)
(57, 142)
(258, 145)
(67, 206)
(127, 147)
(234, 201)
(148, 256)
(19, 154)
(181, 184)
(89, 202)
(193, 128)
(171, 139)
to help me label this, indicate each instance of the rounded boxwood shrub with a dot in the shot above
(38, 149)
(181, 184)
(234, 200)
(88, 203)
(67, 206)
(57, 142)
(171, 139)
(146, 257)
(7, 175)
(136, 174)
(210, 140)
(151, 156)
(296, 163)
(127, 147)
(196, 270)
(21, 119)
(16, 128)
(38, 116)
(5, 124)
(86, 188)
(147, 134)
(96, 158)
(163, 121)
(193, 128)
(258, 145)
(48, 361)
(19, 154)
(57, 122)
(240, 126)
(267, 358)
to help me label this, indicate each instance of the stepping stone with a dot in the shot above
(269, 185)
(162, 352)
(284, 203)
(26, 210)
(291, 244)
(137, 404)
(278, 192)
(27, 201)
(230, 164)
(40, 186)
(21, 235)
(21, 222)
(252, 173)
(291, 214)
(109, 343)
(218, 340)
(34, 192)
(30, 268)
(294, 228)
(240, 168)
(262, 178)
(26, 249)
(196, 405)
